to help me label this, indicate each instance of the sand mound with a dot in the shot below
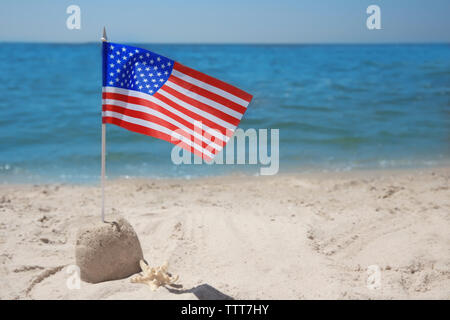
(107, 251)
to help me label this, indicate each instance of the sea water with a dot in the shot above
(337, 107)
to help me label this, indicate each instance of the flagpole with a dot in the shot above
(104, 39)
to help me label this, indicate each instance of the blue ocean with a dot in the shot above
(337, 107)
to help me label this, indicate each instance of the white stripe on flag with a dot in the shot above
(156, 127)
(198, 111)
(162, 116)
(182, 115)
(211, 88)
(204, 100)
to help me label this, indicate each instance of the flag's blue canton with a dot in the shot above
(134, 68)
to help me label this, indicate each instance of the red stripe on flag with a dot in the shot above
(213, 81)
(154, 106)
(153, 133)
(159, 121)
(147, 103)
(211, 124)
(207, 94)
(201, 105)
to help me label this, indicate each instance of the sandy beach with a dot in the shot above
(296, 236)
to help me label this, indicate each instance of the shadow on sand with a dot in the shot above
(202, 292)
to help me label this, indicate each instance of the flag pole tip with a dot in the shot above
(104, 38)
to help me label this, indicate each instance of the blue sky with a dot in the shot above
(227, 21)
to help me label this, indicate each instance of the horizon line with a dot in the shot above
(239, 43)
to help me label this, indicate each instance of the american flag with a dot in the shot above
(150, 94)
